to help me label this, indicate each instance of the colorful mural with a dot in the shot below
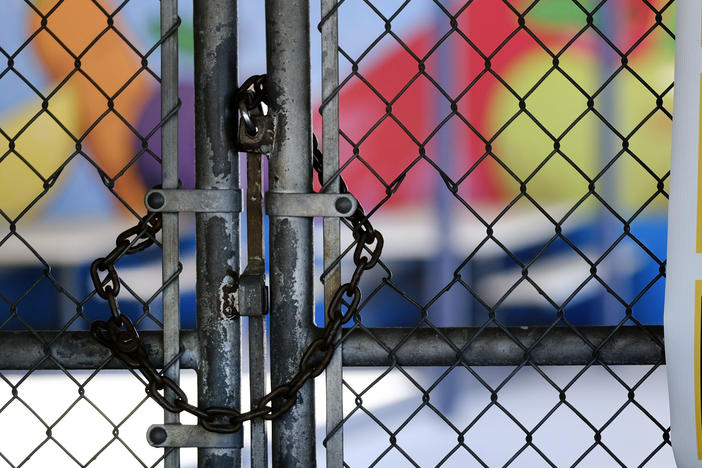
(98, 101)
(416, 119)
(577, 117)
(486, 93)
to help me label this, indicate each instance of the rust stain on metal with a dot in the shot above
(227, 300)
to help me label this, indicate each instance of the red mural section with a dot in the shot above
(513, 105)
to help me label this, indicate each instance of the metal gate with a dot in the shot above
(106, 65)
(445, 370)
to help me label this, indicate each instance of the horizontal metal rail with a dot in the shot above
(493, 347)
(79, 350)
(376, 347)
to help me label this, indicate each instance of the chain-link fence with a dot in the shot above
(515, 156)
(88, 93)
(513, 153)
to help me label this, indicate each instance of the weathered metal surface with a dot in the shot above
(185, 435)
(169, 180)
(290, 170)
(255, 304)
(493, 347)
(79, 350)
(310, 204)
(194, 201)
(217, 167)
(332, 235)
(371, 347)
(253, 294)
(260, 142)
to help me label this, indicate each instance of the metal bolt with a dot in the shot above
(343, 205)
(155, 200)
(158, 435)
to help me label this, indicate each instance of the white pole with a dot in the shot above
(684, 270)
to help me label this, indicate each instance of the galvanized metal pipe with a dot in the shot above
(332, 235)
(217, 244)
(169, 180)
(492, 347)
(290, 170)
(420, 347)
(79, 350)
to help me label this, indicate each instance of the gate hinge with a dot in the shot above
(193, 200)
(309, 205)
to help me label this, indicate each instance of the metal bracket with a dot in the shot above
(182, 435)
(262, 141)
(195, 201)
(253, 290)
(309, 205)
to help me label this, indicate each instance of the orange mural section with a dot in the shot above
(82, 52)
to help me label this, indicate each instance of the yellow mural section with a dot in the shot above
(43, 145)
(585, 140)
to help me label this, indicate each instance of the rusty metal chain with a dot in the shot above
(119, 334)
(250, 96)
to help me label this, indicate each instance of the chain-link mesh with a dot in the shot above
(80, 123)
(515, 153)
(549, 172)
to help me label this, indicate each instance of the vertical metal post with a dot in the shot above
(217, 244)
(169, 180)
(290, 170)
(257, 321)
(332, 240)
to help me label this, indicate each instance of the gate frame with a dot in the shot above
(290, 238)
(217, 234)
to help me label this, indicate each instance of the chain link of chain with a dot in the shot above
(251, 97)
(119, 334)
